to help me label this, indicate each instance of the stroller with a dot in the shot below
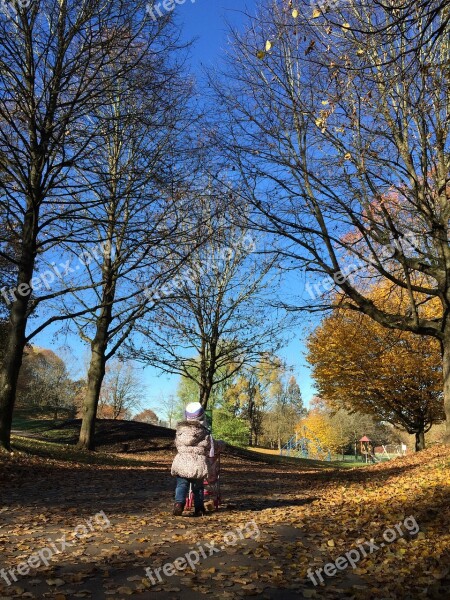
(212, 484)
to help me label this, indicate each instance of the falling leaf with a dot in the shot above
(260, 54)
(348, 156)
(316, 13)
(295, 13)
(268, 45)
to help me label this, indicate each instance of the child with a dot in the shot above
(193, 442)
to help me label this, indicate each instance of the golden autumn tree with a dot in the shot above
(360, 365)
(319, 424)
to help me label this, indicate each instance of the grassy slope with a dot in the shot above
(111, 435)
(56, 440)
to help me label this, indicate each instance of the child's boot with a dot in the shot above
(178, 508)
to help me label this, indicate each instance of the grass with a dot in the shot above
(274, 456)
(61, 436)
(337, 462)
(67, 453)
(33, 424)
(111, 436)
(70, 453)
(345, 464)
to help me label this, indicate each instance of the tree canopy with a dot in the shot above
(360, 365)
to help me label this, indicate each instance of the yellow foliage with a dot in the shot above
(320, 425)
(361, 365)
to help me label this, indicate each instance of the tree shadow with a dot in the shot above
(266, 503)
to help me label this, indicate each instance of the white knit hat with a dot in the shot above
(194, 411)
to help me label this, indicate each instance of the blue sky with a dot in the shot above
(204, 20)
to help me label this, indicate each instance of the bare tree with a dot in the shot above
(122, 391)
(137, 175)
(421, 22)
(348, 167)
(215, 317)
(55, 56)
(170, 406)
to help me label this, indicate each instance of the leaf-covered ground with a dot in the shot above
(306, 517)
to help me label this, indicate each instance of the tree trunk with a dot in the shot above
(15, 344)
(90, 402)
(207, 382)
(420, 440)
(250, 419)
(97, 365)
(446, 373)
(205, 393)
(9, 374)
(96, 374)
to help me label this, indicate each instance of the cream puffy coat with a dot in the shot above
(193, 443)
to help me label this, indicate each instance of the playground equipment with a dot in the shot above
(305, 444)
(367, 450)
